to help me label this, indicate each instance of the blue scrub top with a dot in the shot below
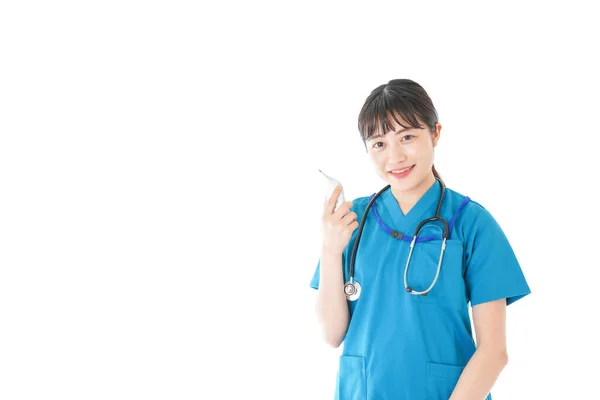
(402, 346)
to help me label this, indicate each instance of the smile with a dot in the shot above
(401, 173)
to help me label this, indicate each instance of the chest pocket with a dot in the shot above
(449, 289)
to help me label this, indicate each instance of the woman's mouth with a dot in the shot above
(401, 172)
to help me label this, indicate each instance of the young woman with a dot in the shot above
(398, 269)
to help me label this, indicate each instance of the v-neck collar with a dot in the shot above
(416, 213)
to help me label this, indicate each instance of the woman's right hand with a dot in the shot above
(338, 225)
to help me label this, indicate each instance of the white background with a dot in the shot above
(160, 201)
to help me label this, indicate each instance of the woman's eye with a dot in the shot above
(408, 137)
(377, 144)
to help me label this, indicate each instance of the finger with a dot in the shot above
(330, 205)
(349, 218)
(343, 209)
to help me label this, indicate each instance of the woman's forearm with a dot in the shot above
(480, 374)
(332, 306)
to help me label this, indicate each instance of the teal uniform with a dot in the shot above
(403, 346)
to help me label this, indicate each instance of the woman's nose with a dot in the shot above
(396, 153)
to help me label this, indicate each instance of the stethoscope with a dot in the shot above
(352, 288)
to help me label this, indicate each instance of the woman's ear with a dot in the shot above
(436, 133)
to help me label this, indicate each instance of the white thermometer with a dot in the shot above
(331, 184)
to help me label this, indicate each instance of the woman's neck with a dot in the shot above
(408, 198)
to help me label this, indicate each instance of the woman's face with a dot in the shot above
(404, 157)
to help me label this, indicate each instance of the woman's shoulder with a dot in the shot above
(471, 211)
(361, 201)
(359, 205)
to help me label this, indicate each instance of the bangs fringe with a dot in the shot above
(377, 115)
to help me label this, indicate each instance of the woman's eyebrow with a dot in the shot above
(380, 135)
(403, 130)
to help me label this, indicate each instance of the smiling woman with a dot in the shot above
(413, 340)
(399, 126)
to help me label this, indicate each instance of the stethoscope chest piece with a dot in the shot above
(352, 290)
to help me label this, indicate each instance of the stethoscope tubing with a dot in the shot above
(352, 288)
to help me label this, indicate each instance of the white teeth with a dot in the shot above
(399, 171)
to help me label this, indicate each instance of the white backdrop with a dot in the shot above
(160, 201)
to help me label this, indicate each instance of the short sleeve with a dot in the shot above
(492, 269)
(314, 283)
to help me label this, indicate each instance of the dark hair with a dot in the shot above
(402, 98)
